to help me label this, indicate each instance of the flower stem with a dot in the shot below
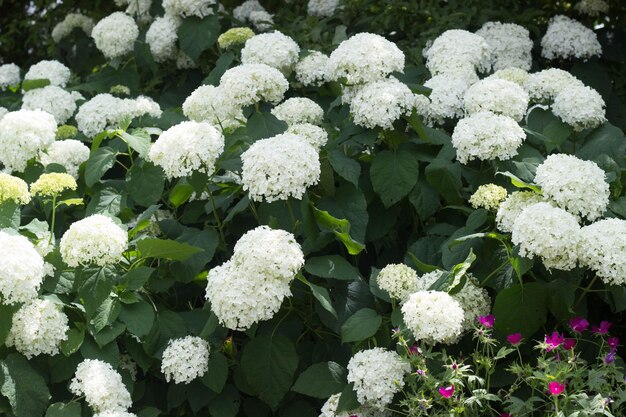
(54, 210)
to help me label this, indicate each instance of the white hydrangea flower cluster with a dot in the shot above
(580, 107)
(21, 269)
(486, 136)
(272, 49)
(510, 45)
(474, 300)
(568, 38)
(279, 167)
(497, 96)
(398, 280)
(377, 375)
(38, 327)
(252, 285)
(13, 189)
(115, 35)
(513, 74)
(138, 8)
(446, 98)
(322, 8)
(603, 249)
(161, 37)
(574, 185)
(312, 69)
(101, 385)
(514, 204)
(329, 409)
(187, 147)
(545, 85)
(312, 134)
(299, 110)
(117, 413)
(23, 134)
(69, 23)
(488, 196)
(458, 51)
(363, 58)
(592, 8)
(548, 232)
(185, 359)
(261, 20)
(9, 75)
(3, 111)
(380, 103)
(70, 153)
(52, 99)
(94, 240)
(57, 73)
(243, 11)
(213, 105)
(433, 316)
(250, 83)
(187, 8)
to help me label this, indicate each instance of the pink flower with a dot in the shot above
(610, 357)
(602, 329)
(446, 392)
(613, 342)
(487, 321)
(414, 350)
(554, 341)
(569, 343)
(505, 415)
(514, 339)
(556, 388)
(578, 324)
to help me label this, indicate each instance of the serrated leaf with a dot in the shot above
(321, 380)
(25, 389)
(196, 35)
(361, 325)
(393, 175)
(100, 161)
(166, 249)
(331, 266)
(216, 376)
(138, 317)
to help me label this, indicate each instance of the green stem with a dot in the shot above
(585, 291)
(220, 225)
(54, 211)
(294, 222)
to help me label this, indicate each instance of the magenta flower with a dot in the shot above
(569, 343)
(554, 341)
(578, 324)
(610, 357)
(613, 342)
(556, 388)
(514, 339)
(505, 415)
(487, 321)
(603, 328)
(446, 392)
(414, 350)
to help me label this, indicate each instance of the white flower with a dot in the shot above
(139, 8)
(3, 111)
(23, 134)
(69, 23)
(322, 8)
(101, 385)
(513, 74)
(187, 147)
(433, 316)
(185, 359)
(377, 375)
(9, 75)
(273, 49)
(398, 280)
(57, 73)
(186, 8)
(21, 269)
(497, 96)
(544, 86)
(455, 50)
(363, 58)
(313, 135)
(162, 36)
(13, 189)
(603, 249)
(510, 44)
(96, 239)
(279, 167)
(52, 99)
(329, 409)
(116, 413)
(213, 105)
(261, 20)
(593, 8)
(486, 136)
(38, 327)
(488, 196)
(242, 12)
(575, 185)
(299, 110)
(251, 83)
(184, 61)
(380, 103)
(446, 98)
(548, 232)
(514, 204)
(580, 107)
(567, 38)
(115, 35)
(70, 153)
(312, 69)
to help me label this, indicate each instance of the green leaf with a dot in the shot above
(425, 200)
(100, 161)
(346, 167)
(166, 249)
(264, 125)
(226, 404)
(531, 299)
(139, 143)
(10, 215)
(424, 267)
(217, 374)
(25, 389)
(64, 410)
(136, 278)
(519, 183)
(341, 229)
(107, 201)
(6, 321)
(321, 294)
(28, 85)
(445, 177)
(361, 325)
(74, 340)
(331, 266)
(94, 286)
(221, 65)
(138, 317)
(197, 35)
(348, 400)
(321, 380)
(145, 182)
(393, 174)
(180, 193)
(106, 314)
(606, 139)
(269, 363)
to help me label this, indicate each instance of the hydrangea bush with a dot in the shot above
(312, 208)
